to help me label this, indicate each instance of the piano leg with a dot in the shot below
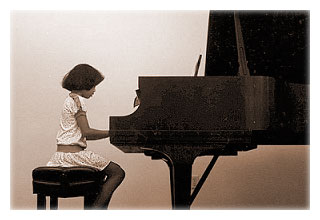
(180, 185)
(180, 182)
(180, 165)
(171, 182)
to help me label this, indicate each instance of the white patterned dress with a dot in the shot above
(70, 134)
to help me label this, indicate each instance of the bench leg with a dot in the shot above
(41, 201)
(53, 202)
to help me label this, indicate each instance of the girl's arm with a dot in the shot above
(90, 133)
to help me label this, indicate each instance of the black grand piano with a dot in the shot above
(244, 99)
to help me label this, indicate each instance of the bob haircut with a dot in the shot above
(82, 77)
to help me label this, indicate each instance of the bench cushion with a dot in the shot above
(66, 181)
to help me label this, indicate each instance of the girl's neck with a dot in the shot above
(78, 92)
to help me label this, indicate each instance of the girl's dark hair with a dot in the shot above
(82, 77)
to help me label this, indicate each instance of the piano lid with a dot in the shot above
(276, 44)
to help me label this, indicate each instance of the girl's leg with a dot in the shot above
(115, 175)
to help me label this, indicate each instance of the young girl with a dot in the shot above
(75, 131)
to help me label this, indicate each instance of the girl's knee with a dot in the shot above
(114, 170)
(121, 174)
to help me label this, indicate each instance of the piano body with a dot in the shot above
(181, 118)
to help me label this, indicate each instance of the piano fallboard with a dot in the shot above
(183, 137)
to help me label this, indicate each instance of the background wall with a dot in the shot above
(124, 45)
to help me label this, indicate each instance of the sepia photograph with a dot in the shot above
(160, 109)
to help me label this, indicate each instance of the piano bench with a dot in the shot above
(65, 182)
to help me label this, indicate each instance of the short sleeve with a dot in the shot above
(83, 104)
(76, 105)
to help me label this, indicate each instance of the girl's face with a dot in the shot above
(88, 93)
